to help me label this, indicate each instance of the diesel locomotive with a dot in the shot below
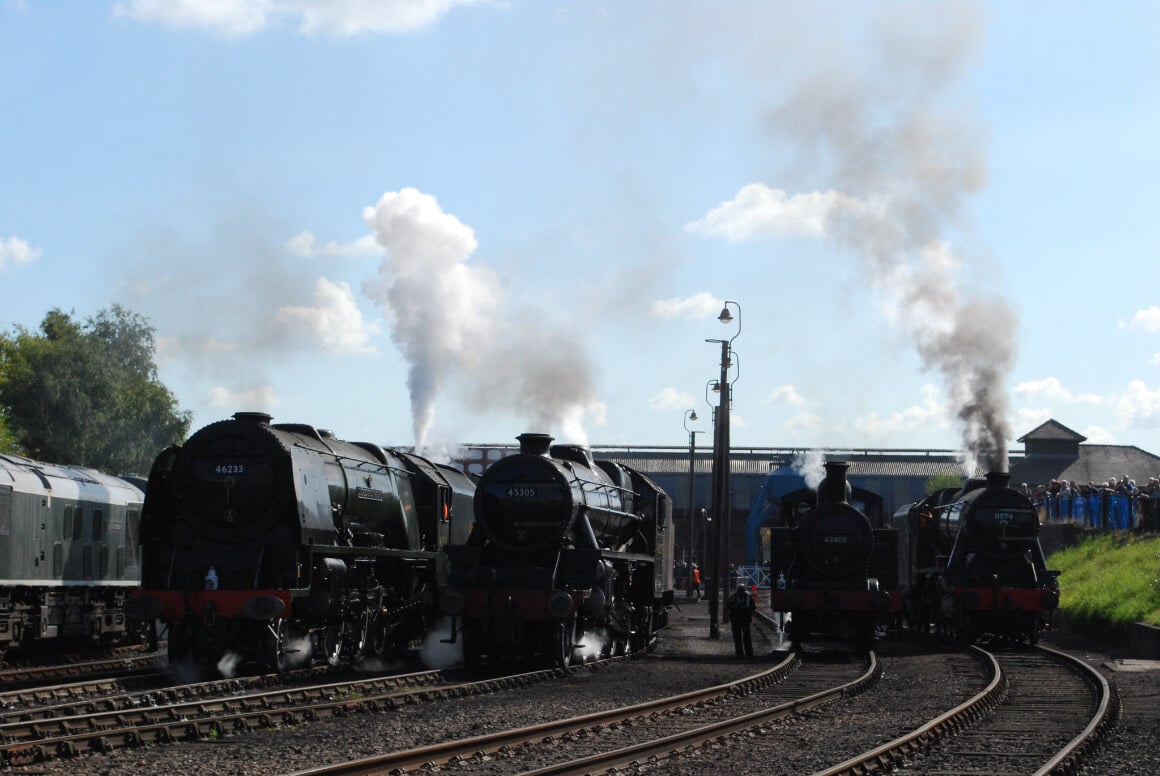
(838, 557)
(569, 557)
(68, 555)
(972, 565)
(279, 545)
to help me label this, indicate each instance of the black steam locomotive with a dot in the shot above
(280, 544)
(838, 559)
(971, 563)
(68, 555)
(568, 556)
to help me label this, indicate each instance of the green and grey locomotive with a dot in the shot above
(279, 545)
(68, 554)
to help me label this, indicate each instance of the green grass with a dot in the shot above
(1109, 579)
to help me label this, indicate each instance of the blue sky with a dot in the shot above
(445, 221)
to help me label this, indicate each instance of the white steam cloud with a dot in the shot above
(450, 320)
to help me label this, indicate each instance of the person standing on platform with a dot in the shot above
(697, 581)
(741, 608)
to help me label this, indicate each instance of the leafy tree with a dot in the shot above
(940, 481)
(7, 439)
(88, 393)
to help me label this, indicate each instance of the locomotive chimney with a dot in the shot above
(834, 487)
(534, 444)
(261, 418)
(998, 480)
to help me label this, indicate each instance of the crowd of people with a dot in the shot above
(1123, 486)
(1116, 503)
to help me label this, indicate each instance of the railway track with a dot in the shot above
(212, 709)
(580, 744)
(125, 664)
(1050, 713)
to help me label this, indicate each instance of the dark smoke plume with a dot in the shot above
(904, 158)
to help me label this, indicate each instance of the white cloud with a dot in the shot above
(336, 18)
(785, 394)
(932, 413)
(17, 251)
(304, 245)
(1028, 418)
(1147, 319)
(1050, 388)
(356, 17)
(805, 422)
(1139, 407)
(671, 399)
(257, 397)
(1098, 435)
(699, 305)
(1156, 359)
(335, 319)
(232, 18)
(761, 211)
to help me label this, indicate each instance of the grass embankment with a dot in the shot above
(1109, 580)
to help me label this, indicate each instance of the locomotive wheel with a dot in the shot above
(564, 638)
(358, 637)
(379, 639)
(332, 638)
(281, 649)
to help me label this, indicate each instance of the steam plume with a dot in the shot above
(448, 320)
(905, 161)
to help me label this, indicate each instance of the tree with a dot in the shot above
(940, 481)
(88, 393)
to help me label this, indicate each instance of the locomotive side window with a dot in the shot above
(104, 566)
(5, 511)
(98, 524)
(132, 529)
(120, 563)
(78, 524)
(87, 562)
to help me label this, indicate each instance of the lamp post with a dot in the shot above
(690, 415)
(721, 466)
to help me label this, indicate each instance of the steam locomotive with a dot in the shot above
(68, 555)
(279, 544)
(568, 556)
(972, 564)
(838, 558)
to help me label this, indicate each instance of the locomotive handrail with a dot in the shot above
(340, 457)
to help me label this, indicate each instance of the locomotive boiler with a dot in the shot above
(838, 559)
(68, 555)
(972, 564)
(280, 544)
(568, 556)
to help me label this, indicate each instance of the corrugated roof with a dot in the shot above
(1095, 463)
